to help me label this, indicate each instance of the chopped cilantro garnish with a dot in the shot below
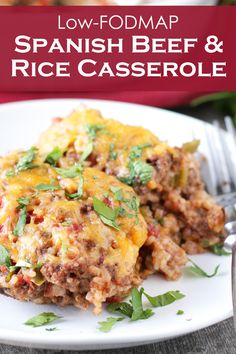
(50, 329)
(121, 307)
(138, 312)
(5, 257)
(164, 299)
(136, 151)
(200, 272)
(70, 172)
(92, 129)
(79, 193)
(112, 154)
(180, 312)
(140, 171)
(86, 153)
(53, 157)
(132, 203)
(106, 214)
(219, 250)
(42, 319)
(23, 201)
(109, 222)
(19, 228)
(10, 173)
(115, 189)
(24, 163)
(121, 211)
(134, 310)
(106, 326)
(117, 193)
(47, 187)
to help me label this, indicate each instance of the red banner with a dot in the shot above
(104, 49)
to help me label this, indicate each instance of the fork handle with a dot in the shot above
(233, 276)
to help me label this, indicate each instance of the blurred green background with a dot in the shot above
(213, 106)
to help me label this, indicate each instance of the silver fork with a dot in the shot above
(219, 174)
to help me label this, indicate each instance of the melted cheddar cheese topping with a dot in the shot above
(58, 229)
(113, 142)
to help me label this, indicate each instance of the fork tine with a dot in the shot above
(230, 126)
(230, 145)
(207, 164)
(220, 159)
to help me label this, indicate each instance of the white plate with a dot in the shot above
(207, 301)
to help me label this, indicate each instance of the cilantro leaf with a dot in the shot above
(200, 272)
(136, 151)
(92, 129)
(142, 170)
(139, 171)
(47, 187)
(138, 312)
(23, 201)
(134, 204)
(134, 310)
(122, 212)
(24, 163)
(50, 329)
(102, 209)
(106, 326)
(10, 173)
(120, 307)
(79, 193)
(70, 172)
(42, 319)
(109, 222)
(5, 257)
(26, 160)
(86, 153)
(164, 299)
(219, 250)
(112, 154)
(106, 214)
(53, 157)
(19, 228)
(117, 193)
(180, 312)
